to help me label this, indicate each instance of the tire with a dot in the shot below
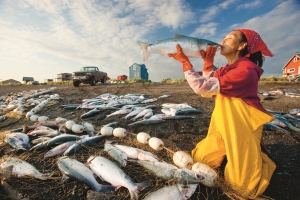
(76, 83)
(93, 81)
(103, 80)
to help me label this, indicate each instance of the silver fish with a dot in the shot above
(119, 112)
(74, 169)
(273, 127)
(40, 139)
(143, 113)
(171, 192)
(61, 139)
(179, 117)
(59, 149)
(136, 153)
(161, 169)
(2, 118)
(181, 106)
(17, 140)
(90, 113)
(22, 168)
(168, 171)
(136, 111)
(191, 46)
(85, 141)
(116, 153)
(147, 121)
(109, 172)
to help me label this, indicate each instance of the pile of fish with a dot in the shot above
(284, 121)
(18, 102)
(66, 144)
(287, 92)
(133, 106)
(63, 138)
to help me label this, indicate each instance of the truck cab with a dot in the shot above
(88, 75)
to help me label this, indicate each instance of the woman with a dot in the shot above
(237, 121)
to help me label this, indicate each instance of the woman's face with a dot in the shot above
(232, 43)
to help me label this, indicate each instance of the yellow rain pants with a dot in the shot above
(235, 131)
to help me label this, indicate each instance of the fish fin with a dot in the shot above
(64, 178)
(7, 171)
(132, 160)
(178, 35)
(106, 188)
(144, 46)
(41, 177)
(142, 186)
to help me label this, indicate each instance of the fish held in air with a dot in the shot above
(191, 46)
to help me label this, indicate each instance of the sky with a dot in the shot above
(42, 38)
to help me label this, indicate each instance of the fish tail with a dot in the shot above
(142, 186)
(134, 195)
(146, 53)
(139, 187)
(42, 176)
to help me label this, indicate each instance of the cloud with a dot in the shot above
(211, 12)
(251, 5)
(87, 33)
(205, 30)
(63, 35)
(280, 32)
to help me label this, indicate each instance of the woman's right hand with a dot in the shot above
(208, 58)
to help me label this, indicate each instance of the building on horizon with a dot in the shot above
(138, 71)
(292, 67)
(122, 78)
(10, 82)
(63, 77)
(27, 80)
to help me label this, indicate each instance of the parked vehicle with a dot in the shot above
(294, 78)
(89, 75)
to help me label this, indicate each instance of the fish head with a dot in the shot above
(187, 176)
(61, 158)
(187, 191)
(48, 154)
(91, 158)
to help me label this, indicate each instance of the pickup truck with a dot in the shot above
(88, 75)
(294, 78)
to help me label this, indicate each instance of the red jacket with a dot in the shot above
(240, 80)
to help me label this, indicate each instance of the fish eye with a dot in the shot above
(199, 177)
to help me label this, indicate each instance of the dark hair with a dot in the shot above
(256, 57)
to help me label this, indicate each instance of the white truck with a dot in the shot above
(88, 75)
(294, 78)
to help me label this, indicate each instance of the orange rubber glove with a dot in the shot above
(181, 57)
(208, 58)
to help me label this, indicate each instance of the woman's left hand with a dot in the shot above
(181, 57)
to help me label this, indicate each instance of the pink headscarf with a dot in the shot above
(255, 43)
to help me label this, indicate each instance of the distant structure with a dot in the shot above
(63, 77)
(27, 80)
(10, 82)
(122, 78)
(47, 80)
(292, 67)
(138, 71)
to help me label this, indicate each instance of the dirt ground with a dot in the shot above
(177, 134)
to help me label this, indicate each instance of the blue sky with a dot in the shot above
(42, 38)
